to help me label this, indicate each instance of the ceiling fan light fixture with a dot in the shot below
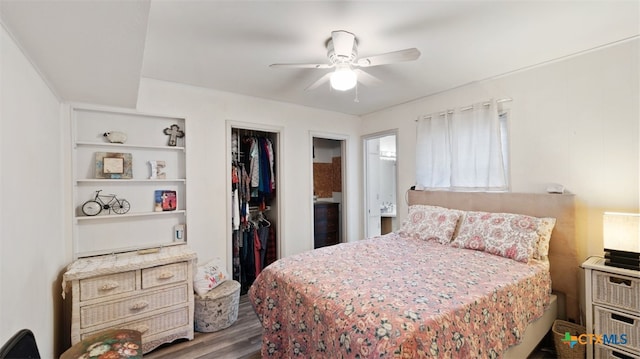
(343, 78)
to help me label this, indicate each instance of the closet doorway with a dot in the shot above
(380, 183)
(328, 172)
(254, 236)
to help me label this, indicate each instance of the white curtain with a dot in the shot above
(461, 149)
(433, 152)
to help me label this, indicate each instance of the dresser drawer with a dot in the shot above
(165, 274)
(154, 324)
(326, 210)
(322, 226)
(325, 239)
(119, 309)
(616, 290)
(107, 285)
(605, 352)
(609, 321)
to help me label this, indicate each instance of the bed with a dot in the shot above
(402, 295)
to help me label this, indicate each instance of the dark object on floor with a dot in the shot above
(21, 345)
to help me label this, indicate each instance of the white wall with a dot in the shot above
(206, 113)
(325, 150)
(574, 122)
(33, 247)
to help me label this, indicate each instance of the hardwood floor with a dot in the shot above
(243, 339)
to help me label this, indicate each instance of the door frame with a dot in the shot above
(344, 152)
(365, 189)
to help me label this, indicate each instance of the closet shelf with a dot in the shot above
(122, 216)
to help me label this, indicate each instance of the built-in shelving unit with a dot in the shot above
(144, 225)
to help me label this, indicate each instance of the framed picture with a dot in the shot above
(165, 200)
(113, 165)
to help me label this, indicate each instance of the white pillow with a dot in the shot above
(209, 276)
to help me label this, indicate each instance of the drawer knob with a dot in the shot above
(142, 328)
(109, 286)
(165, 275)
(139, 305)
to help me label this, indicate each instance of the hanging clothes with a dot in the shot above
(235, 214)
(263, 234)
(253, 187)
(237, 266)
(257, 246)
(271, 162)
(247, 260)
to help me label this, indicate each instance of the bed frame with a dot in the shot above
(562, 248)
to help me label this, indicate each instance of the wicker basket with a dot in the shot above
(564, 351)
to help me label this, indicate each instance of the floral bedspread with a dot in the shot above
(396, 297)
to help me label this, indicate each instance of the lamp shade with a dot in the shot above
(343, 78)
(621, 231)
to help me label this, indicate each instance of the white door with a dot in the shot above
(372, 183)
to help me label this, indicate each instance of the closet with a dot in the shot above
(254, 188)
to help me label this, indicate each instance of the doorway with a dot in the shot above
(328, 190)
(380, 183)
(254, 211)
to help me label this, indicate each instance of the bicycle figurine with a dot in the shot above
(94, 206)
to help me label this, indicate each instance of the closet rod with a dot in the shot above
(487, 103)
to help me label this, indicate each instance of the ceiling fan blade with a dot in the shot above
(319, 82)
(390, 58)
(367, 79)
(302, 66)
(343, 42)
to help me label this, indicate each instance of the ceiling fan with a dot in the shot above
(342, 52)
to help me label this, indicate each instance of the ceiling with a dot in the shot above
(97, 51)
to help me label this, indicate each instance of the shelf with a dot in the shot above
(125, 146)
(128, 215)
(109, 232)
(124, 180)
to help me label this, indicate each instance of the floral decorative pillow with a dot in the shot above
(545, 227)
(430, 223)
(509, 235)
(209, 276)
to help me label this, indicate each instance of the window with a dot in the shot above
(463, 149)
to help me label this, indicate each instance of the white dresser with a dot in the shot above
(612, 310)
(151, 293)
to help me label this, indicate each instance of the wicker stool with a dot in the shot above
(217, 309)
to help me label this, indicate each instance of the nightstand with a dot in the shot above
(612, 310)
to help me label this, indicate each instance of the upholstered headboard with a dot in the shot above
(563, 256)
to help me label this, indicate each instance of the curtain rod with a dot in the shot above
(486, 103)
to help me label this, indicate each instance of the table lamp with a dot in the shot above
(621, 234)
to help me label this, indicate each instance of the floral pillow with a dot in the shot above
(545, 227)
(430, 223)
(209, 276)
(509, 235)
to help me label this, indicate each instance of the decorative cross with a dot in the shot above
(174, 133)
